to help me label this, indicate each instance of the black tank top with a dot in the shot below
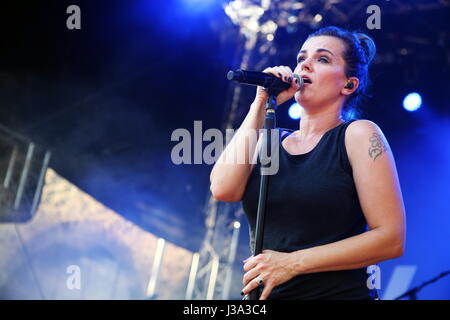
(312, 200)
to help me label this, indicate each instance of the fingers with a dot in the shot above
(283, 72)
(254, 277)
(249, 276)
(266, 292)
(253, 284)
(287, 75)
(251, 263)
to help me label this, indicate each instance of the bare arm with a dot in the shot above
(230, 174)
(379, 193)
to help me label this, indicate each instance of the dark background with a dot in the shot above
(105, 100)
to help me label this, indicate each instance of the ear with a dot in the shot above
(348, 90)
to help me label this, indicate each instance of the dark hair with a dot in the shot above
(358, 54)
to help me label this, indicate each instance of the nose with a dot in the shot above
(306, 65)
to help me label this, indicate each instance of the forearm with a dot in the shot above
(359, 251)
(231, 171)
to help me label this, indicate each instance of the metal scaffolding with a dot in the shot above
(22, 171)
(258, 21)
(212, 268)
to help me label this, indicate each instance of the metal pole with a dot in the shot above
(41, 181)
(213, 277)
(192, 275)
(231, 257)
(155, 269)
(9, 172)
(23, 177)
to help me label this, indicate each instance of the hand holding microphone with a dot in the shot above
(281, 78)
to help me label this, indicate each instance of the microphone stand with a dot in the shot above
(269, 125)
(274, 87)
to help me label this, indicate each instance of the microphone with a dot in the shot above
(262, 79)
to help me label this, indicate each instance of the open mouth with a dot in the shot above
(306, 80)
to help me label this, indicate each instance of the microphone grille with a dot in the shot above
(299, 80)
(230, 75)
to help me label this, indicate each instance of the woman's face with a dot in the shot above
(320, 59)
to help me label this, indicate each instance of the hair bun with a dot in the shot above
(368, 45)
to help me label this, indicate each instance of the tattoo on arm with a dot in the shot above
(377, 146)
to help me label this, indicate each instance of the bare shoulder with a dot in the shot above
(365, 138)
(376, 179)
(362, 127)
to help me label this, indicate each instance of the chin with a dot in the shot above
(301, 99)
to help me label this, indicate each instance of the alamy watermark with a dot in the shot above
(73, 281)
(189, 149)
(374, 278)
(74, 20)
(374, 20)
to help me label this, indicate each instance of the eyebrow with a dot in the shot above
(318, 50)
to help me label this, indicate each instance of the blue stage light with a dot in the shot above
(412, 101)
(295, 111)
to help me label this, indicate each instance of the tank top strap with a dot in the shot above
(284, 132)
(338, 139)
